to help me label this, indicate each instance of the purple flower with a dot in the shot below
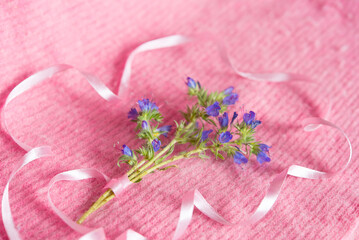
(223, 121)
(165, 130)
(147, 105)
(225, 137)
(255, 123)
(127, 151)
(144, 125)
(132, 114)
(263, 157)
(240, 158)
(156, 144)
(191, 83)
(264, 148)
(228, 91)
(230, 99)
(249, 119)
(205, 135)
(213, 110)
(235, 115)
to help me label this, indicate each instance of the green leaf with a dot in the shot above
(220, 156)
(168, 167)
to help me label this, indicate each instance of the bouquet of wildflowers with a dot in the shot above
(206, 130)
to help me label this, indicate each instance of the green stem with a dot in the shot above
(136, 173)
(175, 158)
(134, 168)
(95, 206)
(158, 155)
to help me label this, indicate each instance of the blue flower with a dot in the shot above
(165, 130)
(255, 123)
(127, 151)
(147, 105)
(223, 121)
(264, 148)
(132, 114)
(205, 135)
(144, 125)
(230, 99)
(191, 83)
(240, 158)
(213, 110)
(235, 115)
(156, 144)
(263, 157)
(228, 91)
(225, 137)
(249, 119)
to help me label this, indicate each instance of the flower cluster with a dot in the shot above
(233, 136)
(148, 113)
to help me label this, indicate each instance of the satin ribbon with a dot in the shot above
(118, 185)
(40, 77)
(177, 40)
(73, 175)
(194, 198)
(6, 215)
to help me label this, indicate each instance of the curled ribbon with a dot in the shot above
(191, 199)
(196, 199)
(73, 175)
(7, 219)
(43, 75)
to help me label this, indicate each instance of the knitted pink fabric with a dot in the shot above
(316, 38)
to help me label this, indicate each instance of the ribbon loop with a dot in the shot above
(33, 154)
(73, 175)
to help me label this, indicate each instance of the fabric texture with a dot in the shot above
(315, 38)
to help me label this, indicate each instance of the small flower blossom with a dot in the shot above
(240, 158)
(235, 115)
(264, 148)
(213, 110)
(230, 99)
(165, 130)
(133, 114)
(228, 91)
(144, 125)
(191, 83)
(255, 123)
(156, 144)
(223, 121)
(249, 119)
(225, 137)
(127, 151)
(205, 135)
(263, 157)
(147, 105)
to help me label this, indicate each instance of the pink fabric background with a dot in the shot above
(315, 38)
